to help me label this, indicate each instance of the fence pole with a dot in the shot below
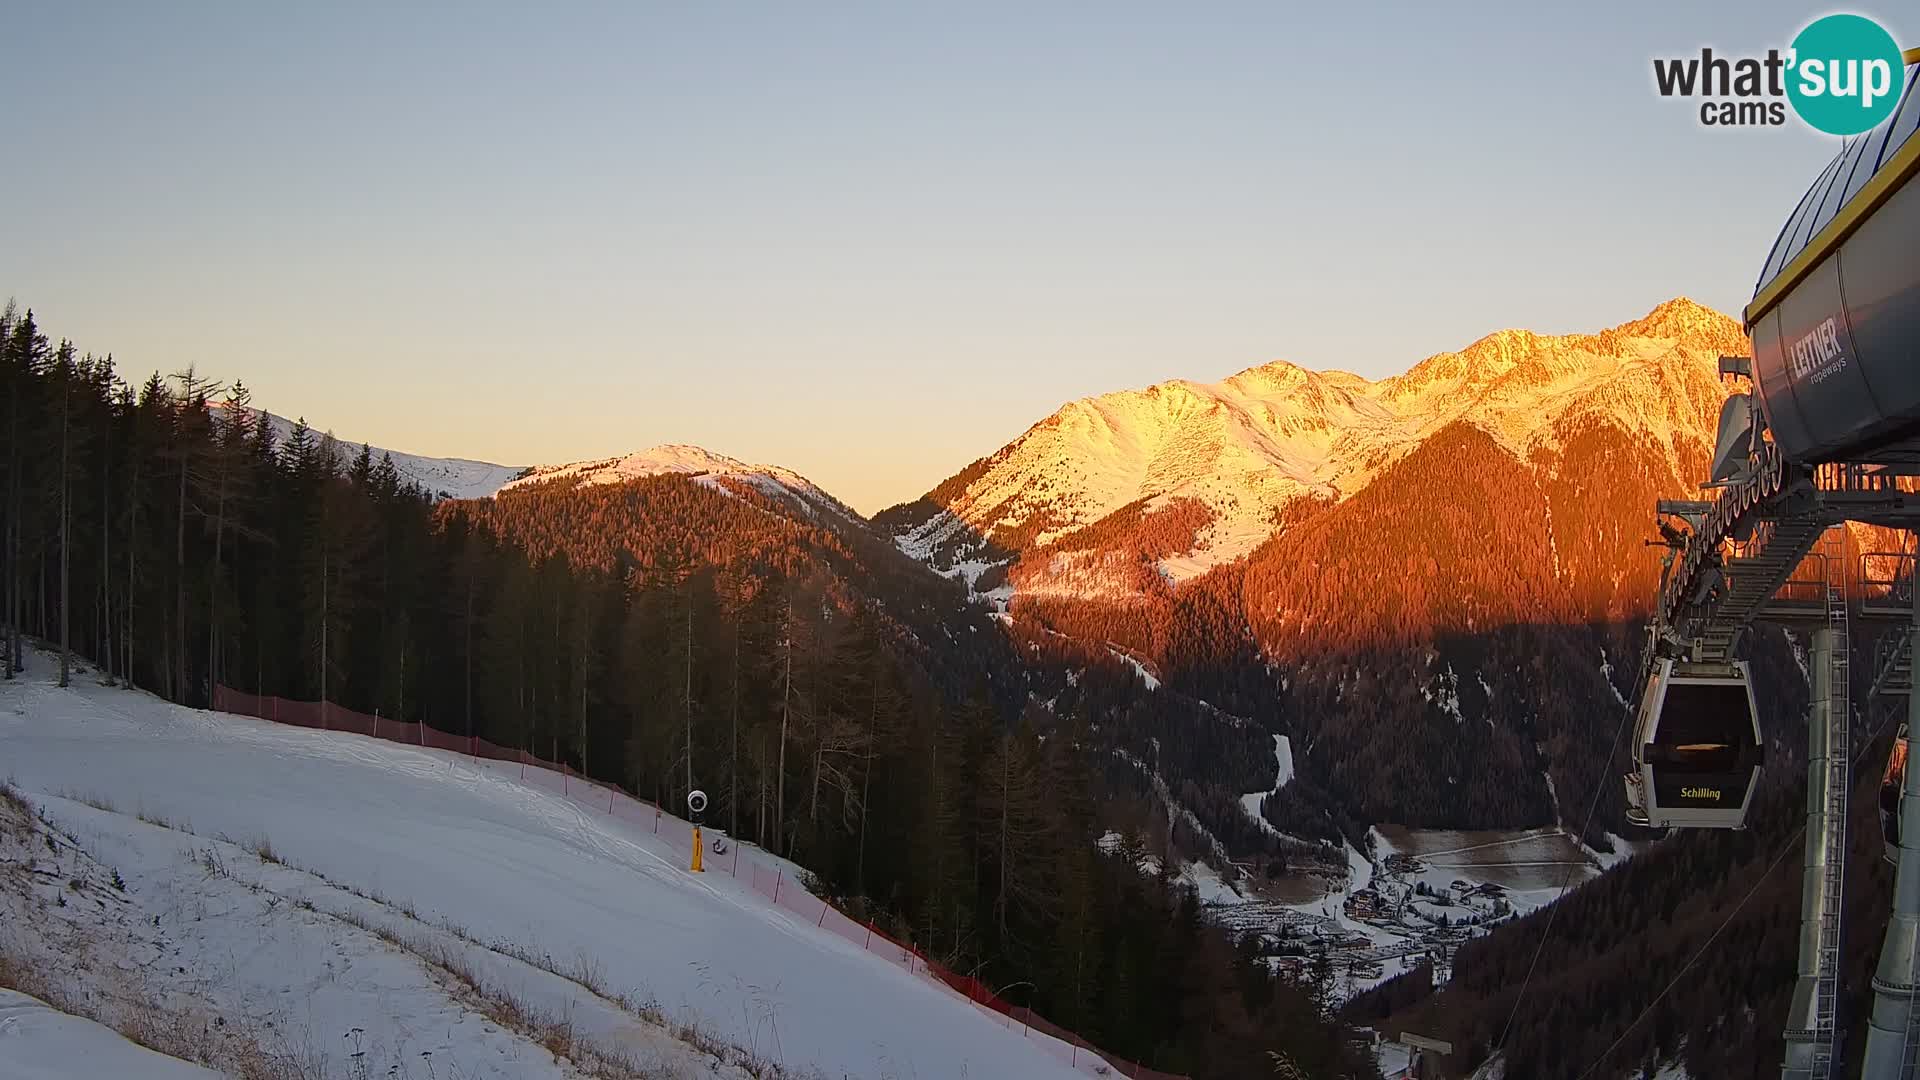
(776, 885)
(736, 857)
(868, 944)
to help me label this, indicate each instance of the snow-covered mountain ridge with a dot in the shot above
(466, 478)
(447, 478)
(708, 468)
(1248, 446)
(1226, 459)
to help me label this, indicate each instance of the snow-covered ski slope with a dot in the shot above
(39, 1042)
(505, 861)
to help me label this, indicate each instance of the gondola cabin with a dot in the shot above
(1893, 786)
(1697, 749)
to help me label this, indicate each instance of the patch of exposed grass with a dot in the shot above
(120, 998)
(16, 813)
(160, 820)
(98, 802)
(556, 1033)
(154, 1027)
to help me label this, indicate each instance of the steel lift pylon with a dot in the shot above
(1784, 514)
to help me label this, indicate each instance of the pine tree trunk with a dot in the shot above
(386, 627)
(556, 690)
(469, 650)
(133, 533)
(66, 537)
(760, 804)
(786, 711)
(580, 658)
(16, 573)
(10, 638)
(866, 786)
(733, 750)
(177, 648)
(213, 584)
(6, 531)
(7, 615)
(106, 551)
(1006, 799)
(325, 555)
(687, 701)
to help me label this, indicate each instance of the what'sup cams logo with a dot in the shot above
(1843, 75)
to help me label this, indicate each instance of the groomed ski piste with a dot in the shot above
(39, 1042)
(366, 908)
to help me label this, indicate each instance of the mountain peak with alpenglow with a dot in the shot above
(712, 469)
(1684, 319)
(1236, 453)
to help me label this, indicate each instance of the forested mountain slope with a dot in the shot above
(843, 706)
(1684, 954)
(1433, 584)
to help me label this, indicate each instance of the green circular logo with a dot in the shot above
(1845, 74)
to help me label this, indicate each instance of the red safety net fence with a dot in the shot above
(774, 882)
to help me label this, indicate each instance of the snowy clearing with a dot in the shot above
(438, 852)
(1250, 802)
(1140, 669)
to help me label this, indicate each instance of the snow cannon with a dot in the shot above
(697, 810)
(1835, 317)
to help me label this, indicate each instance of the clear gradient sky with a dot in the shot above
(871, 242)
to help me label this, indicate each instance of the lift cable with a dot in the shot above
(1791, 840)
(1553, 907)
(1688, 966)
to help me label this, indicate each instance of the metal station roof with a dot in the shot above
(1854, 184)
